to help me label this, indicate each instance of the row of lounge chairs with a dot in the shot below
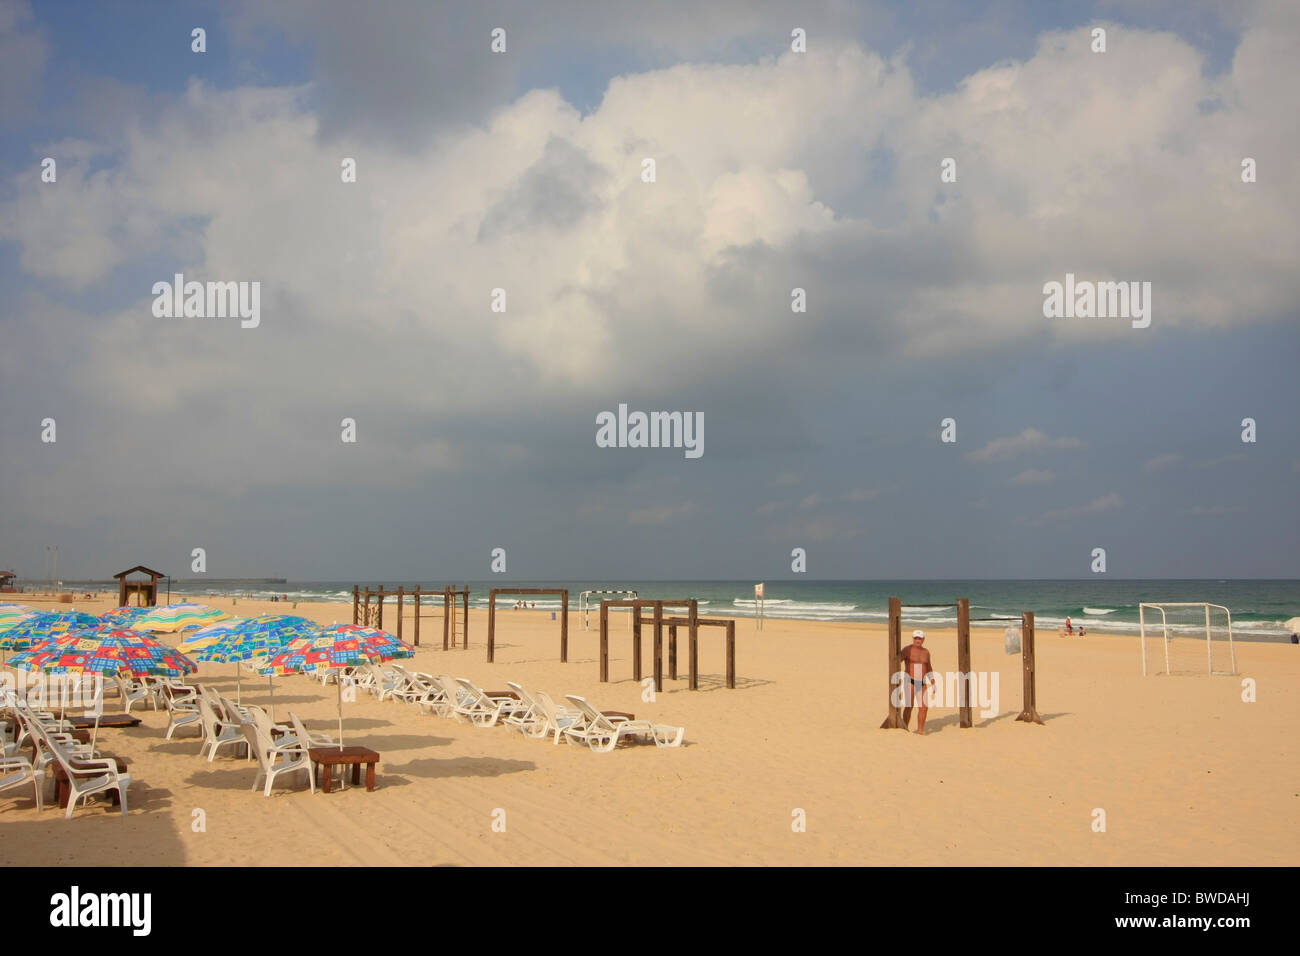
(280, 749)
(55, 745)
(534, 714)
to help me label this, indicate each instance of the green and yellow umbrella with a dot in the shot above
(175, 617)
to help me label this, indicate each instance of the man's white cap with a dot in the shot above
(919, 633)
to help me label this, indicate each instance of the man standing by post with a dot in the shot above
(917, 669)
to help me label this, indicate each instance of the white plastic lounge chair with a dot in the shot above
(132, 692)
(379, 681)
(16, 771)
(478, 708)
(306, 737)
(602, 733)
(273, 760)
(278, 734)
(182, 707)
(217, 732)
(87, 776)
(439, 698)
(416, 687)
(555, 720)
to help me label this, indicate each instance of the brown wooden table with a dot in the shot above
(329, 757)
(106, 720)
(65, 785)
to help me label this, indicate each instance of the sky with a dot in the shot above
(775, 169)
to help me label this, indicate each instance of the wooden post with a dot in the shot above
(965, 679)
(365, 619)
(894, 647)
(659, 647)
(1029, 714)
(356, 602)
(416, 641)
(492, 624)
(447, 611)
(379, 610)
(693, 617)
(731, 654)
(604, 642)
(465, 631)
(672, 651)
(564, 627)
(400, 592)
(636, 643)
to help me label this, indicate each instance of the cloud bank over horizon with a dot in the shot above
(773, 171)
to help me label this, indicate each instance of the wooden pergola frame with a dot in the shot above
(451, 596)
(564, 617)
(894, 648)
(691, 621)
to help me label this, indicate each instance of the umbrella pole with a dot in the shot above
(339, 684)
(271, 685)
(239, 684)
(95, 735)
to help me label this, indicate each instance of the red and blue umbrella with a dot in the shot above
(336, 646)
(107, 651)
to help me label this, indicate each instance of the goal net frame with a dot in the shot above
(585, 604)
(1164, 627)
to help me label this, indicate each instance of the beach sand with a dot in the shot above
(1185, 771)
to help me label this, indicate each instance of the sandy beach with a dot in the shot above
(1186, 772)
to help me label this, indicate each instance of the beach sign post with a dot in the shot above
(759, 600)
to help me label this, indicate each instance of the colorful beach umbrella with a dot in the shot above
(9, 612)
(124, 616)
(107, 651)
(252, 639)
(338, 646)
(43, 625)
(205, 636)
(175, 617)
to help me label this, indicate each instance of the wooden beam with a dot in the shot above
(564, 626)
(492, 624)
(604, 642)
(693, 623)
(400, 594)
(672, 651)
(965, 679)
(448, 609)
(893, 647)
(416, 641)
(636, 644)
(659, 648)
(731, 654)
(1029, 711)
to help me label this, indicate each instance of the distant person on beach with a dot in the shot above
(1069, 629)
(917, 667)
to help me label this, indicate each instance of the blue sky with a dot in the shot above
(776, 170)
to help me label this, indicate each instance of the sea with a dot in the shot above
(1260, 609)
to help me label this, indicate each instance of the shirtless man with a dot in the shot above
(917, 669)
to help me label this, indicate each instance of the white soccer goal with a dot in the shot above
(1190, 639)
(585, 603)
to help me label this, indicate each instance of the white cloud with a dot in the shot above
(1102, 505)
(1034, 476)
(1013, 446)
(1160, 462)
